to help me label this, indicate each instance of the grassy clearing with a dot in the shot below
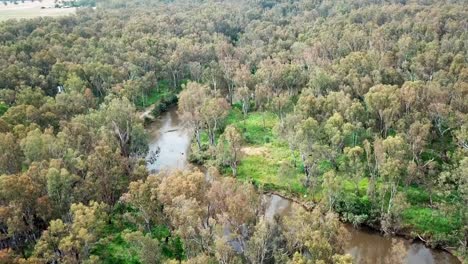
(257, 128)
(273, 170)
(269, 164)
(431, 222)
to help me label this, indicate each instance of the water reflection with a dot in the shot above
(173, 141)
(276, 205)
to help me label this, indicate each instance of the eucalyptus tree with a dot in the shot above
(212, 112)
(229, 148)
(191, 101)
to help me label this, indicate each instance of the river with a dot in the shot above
(366, 246)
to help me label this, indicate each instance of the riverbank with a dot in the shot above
(268, 163)
(372, 229)
(173, 140)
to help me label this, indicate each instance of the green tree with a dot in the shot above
(229, 148)
(212, 112)
(60, 188)
(191, 100)
(105, 179)
(11, 156)
(280, 104)
(121, 119)
(332, 188)
(143, 196)
(244, 95)
(262, 97)
(19, 209)
(353, 166)
(72, 242)
(260, 243)
(383, 102)
(38, 146)
(392, 162)
(310, 147)
(322, 235)
(148, 249)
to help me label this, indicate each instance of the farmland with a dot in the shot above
(31, 9)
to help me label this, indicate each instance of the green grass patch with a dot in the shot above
(3, 108)
(431, 222)
(252, 129)
(416, 195)
(257, 128)
(268, 162)
(115, 250)
(349, 187)
(273, 170)
(156, 94)
(112, 248)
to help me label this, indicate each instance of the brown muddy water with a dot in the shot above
(172, 140)
(370, 247)
(366, 246)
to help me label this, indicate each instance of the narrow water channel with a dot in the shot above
(173, 141)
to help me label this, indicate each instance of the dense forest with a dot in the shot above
(355, 108)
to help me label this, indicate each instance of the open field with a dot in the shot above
(32, 9)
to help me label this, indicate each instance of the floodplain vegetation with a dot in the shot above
(357, 108)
